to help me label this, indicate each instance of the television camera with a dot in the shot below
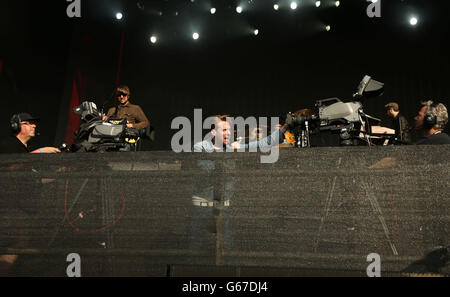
(96, 135)
(344, 118)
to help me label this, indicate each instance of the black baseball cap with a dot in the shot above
(26, 117)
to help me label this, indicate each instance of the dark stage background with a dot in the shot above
(45, 57)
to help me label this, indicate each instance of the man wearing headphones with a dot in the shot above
(23, 128)
(430, 122)
(12, 215)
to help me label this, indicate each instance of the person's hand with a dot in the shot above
(129, 125)
(103, 117)
(236, 145)
(50, 150)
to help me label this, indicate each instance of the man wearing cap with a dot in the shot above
(13, 216)
(23, 128)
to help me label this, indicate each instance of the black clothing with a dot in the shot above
(437, 138)
(402, 129)
(12, 145)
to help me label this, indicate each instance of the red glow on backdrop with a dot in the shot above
(74, 120)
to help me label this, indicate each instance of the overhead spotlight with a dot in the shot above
(275, 6)
(119, 15)
(213, 10)
(317, 3)
(413, 21)
(153, 39)
(238, 9)
(337, 3)
(328, 28)
(256, 32)
(293, 5)
(195, 36)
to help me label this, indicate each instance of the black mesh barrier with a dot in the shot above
(322, 210)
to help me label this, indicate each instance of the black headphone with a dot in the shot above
(15, 123)
(429, 119)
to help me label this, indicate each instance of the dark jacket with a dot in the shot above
(402, 128)
(437, 138)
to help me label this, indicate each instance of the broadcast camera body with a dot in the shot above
(345, 118)
(95, 135)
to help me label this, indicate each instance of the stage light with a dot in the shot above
(195, 36)
(256, 32)
(413, 21)
(328, 28)
(275, 6)
(293, 5)
(153, 39)
(119, 15)
(213, 10)
(317, 3)
(238, 9)
(337, 3)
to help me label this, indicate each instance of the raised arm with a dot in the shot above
(271, 140)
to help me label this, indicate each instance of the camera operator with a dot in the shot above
(23, 128)
(123, 109)
(430, 122)
(14, 210)
(400, 123)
